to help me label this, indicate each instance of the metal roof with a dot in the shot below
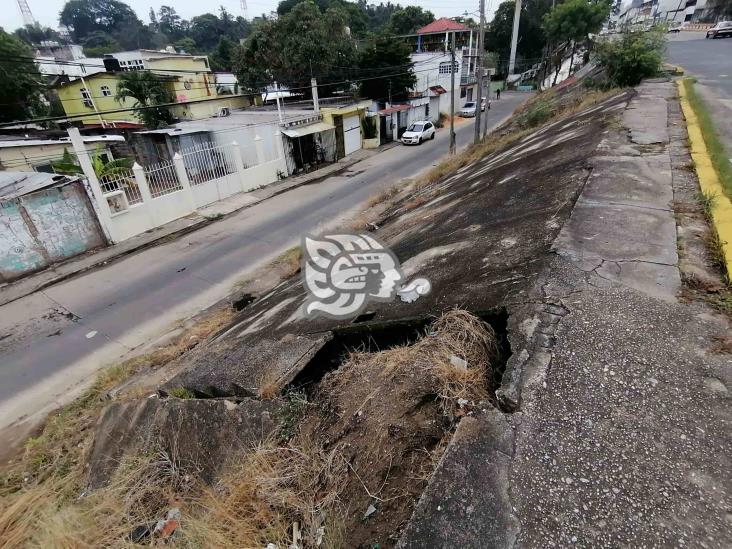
(62, 141)
(15, 184)
(300, 131)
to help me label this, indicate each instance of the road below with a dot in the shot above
(53, 341)
(709, 62)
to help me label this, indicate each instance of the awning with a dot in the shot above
(393, 108)
(301, 131)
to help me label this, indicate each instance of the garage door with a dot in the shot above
(351, 134)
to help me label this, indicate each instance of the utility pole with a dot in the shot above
(479, 69)
(314, 89)
(277, 98)
(452, 96)
(514, 37)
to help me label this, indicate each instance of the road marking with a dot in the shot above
(91, 334)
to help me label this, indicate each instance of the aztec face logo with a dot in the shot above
(343, 272)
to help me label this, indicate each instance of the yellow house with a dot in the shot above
(347, 122)
(188, 78)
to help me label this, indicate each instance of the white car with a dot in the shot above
(418, 131)
(723, 29)
(468, 109)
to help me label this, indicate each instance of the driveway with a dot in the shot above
(53, 341)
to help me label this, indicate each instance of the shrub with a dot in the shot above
(632, 57)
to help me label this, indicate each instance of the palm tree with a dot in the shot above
(148, 90)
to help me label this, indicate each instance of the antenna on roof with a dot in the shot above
(25, 11)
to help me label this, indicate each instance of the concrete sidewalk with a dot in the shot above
(101, 257)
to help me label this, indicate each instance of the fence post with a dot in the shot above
(180, 169)
(239, 165)
(279, 146)
(260, 149)
(102, 206)
(141, 181)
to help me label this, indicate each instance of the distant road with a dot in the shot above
(54, 339)
(710, 61)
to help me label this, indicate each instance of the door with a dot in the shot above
(351, 133)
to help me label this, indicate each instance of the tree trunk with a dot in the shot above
(556, 72)
(571, 59)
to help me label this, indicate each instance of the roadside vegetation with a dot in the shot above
(315, 483)
(631, 58)
(719, 155)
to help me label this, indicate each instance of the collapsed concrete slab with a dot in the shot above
(233, 367)
(466, 503)
(196, 435)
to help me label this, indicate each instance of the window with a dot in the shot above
(106, 92)
(445, 67)
(86, 98)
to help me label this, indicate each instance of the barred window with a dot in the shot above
(445, 67)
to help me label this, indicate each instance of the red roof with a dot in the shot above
(442, 24)
(393, 108)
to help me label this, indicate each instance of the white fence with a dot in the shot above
(143, 198)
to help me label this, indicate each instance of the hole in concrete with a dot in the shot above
(242, 302)
(378, 336)
(365, 317)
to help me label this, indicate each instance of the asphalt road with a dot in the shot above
(53, 341)
(710, 61)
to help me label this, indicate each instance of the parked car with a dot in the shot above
(723, 29)
(674, 26)
(418, 131)
(468, 109)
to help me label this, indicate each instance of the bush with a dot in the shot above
(632, 57)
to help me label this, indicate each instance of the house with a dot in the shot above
(346, 120)
(37, 155)
(434, 68)
(44, 218)
(188, 78)
(56, 59)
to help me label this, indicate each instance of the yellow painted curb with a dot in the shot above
(709, 180)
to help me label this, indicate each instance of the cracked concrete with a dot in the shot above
(623, 227)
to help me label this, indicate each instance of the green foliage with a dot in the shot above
(98, 43)
(222, 59)
(34, 34)
(187, 45)
(369, 127)
(292, 47)
(69, 165)
(718, 153)
(576, 19)
(148, 90)
(536, 114)
(531, 40)
(408, 20)
(386, 54)
(21, 83)
(117, 19)
(632, 57)
(181, 392)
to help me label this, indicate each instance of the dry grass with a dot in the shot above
(288, 263)
(36, 488)
(384, 196)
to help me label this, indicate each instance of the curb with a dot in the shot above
(721, 208)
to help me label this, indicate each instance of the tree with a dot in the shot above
(20, 86)
(86, 16)
(531, 40)
(170, 23)
(148, 90)
(386, 54)
(187, 45)
(574, 20)
(35, 34)
(222, 59)
(408, 20)
(97, 43)
(295, 46)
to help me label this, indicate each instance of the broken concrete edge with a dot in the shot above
(721, 209)
(467, 502)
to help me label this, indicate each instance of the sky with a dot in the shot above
(46, 11)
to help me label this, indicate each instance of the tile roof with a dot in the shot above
(441, 25)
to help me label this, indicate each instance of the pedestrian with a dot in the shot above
(498, 93)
